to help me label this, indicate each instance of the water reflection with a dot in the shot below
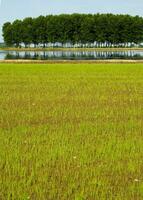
(71, 55)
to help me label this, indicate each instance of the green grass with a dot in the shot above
(71, 131)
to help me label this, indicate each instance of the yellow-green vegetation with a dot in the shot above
(70, 49)
(71, 131)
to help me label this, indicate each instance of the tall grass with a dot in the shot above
(71, 132)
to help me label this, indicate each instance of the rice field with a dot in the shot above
(71, 131)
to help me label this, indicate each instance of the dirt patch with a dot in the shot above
(70, 61)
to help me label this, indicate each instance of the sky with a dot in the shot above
(19, 9)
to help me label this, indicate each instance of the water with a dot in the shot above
(71, 55)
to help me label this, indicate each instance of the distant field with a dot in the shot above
(71, 131)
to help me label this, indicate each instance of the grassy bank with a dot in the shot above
(71, 132)
(68, 49)
(66, 62)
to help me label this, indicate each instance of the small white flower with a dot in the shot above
(74, 157)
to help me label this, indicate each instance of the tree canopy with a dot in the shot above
(107, 29)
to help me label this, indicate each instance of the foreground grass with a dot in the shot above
(71, 132)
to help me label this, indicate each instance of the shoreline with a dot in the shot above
(118, 61)
(70, 49)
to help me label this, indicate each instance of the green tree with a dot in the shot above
(7, 34)
(27, 31)
(87, 29)
(17, 32)
(104, 29)
(40, 30)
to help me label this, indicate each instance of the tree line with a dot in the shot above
(101, 29)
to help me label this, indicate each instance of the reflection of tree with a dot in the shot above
(74, 55)
(9, 56)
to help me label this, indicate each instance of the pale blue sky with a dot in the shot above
(12, 9)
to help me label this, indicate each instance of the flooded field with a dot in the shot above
(71, 55)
